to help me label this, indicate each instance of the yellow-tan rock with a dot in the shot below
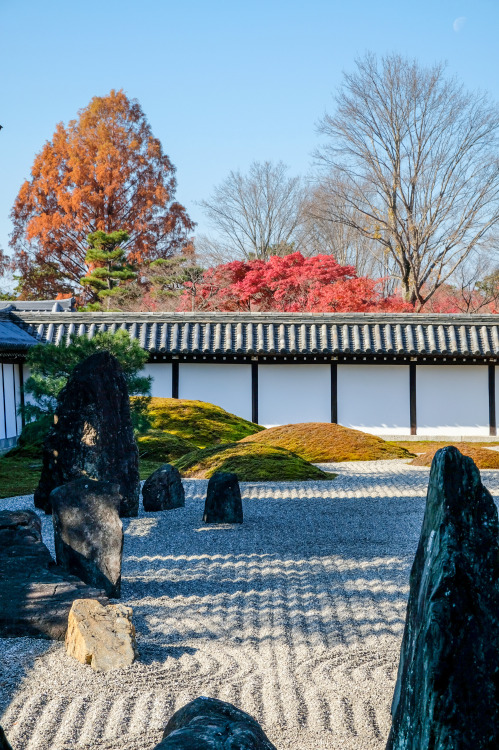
(102, 636)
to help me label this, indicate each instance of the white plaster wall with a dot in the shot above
(225, 385)
(288, 394)
(452, 400)
(161, 373)
(28, 399)
(374, 398)
(10, 401)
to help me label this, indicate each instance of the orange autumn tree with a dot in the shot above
(103, 171)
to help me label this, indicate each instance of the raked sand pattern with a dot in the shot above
(296, 616)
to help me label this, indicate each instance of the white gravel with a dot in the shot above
(296, 616)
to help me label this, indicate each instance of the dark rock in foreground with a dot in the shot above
(163, 490)
(447, 691)
(223, 500)
(4, 743)
(36, 594)
(210, 724)
(92, 434)
(88, 533)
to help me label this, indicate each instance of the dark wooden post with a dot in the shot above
(412, 399)
(254, 392)
(175, 378)
(334, 393)
(4, 403)
(21, 395)
(492, 400)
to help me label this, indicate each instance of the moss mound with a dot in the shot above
(200, 423)
(251, 463)
(162, 446)
(483, 457)
(322, 442)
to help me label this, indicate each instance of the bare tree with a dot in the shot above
(254, 215)
(322, 234)
(414, 165)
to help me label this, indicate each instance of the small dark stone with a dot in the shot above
(223, 500)
(21, 519)
(92, 434)
(210, 724)
(447, 691)
(88, 533)
(35, 593)
(163, 490)
(4, 743)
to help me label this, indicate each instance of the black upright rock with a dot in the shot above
(447, 691)
(92, 434)
(223, 499)
(210, 724)
(88, 533)
(163, 490)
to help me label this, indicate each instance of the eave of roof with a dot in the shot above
(281, 334)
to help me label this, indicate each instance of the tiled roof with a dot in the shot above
(14, 339)
(48, 305)
(281, 333)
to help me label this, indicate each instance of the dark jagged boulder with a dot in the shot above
(36, 594)
(88, 533)
(4, 743)
(210, 724)
(163, 490)
(92, 434)
(223, 499)
(447, 691)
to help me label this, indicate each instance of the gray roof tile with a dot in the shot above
(280, 333)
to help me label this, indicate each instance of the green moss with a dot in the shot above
(162, 446)
(200, 423)
(19, 475)
(322, 442)
(251, 463)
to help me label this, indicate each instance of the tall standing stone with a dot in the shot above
(447, 691)
(92, 434)
(223, 499)
(88, 533)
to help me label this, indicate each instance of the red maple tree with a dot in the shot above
(291, 283)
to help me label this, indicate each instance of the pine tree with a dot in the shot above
(108, 267)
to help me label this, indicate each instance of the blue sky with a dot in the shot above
(221, 83)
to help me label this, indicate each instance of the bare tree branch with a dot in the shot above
(255, 214)
(412, 163)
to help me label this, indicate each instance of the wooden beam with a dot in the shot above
(412, 399)
(175, 378)
(492, 400)
(254, 392)
(334, 393)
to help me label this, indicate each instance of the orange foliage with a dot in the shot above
(105, 171)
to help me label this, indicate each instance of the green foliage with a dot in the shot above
(251, 463)
(172, 277)
(50, 366)
(109, 267)
(200, 423)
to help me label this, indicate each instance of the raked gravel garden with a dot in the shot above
(296, 616)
